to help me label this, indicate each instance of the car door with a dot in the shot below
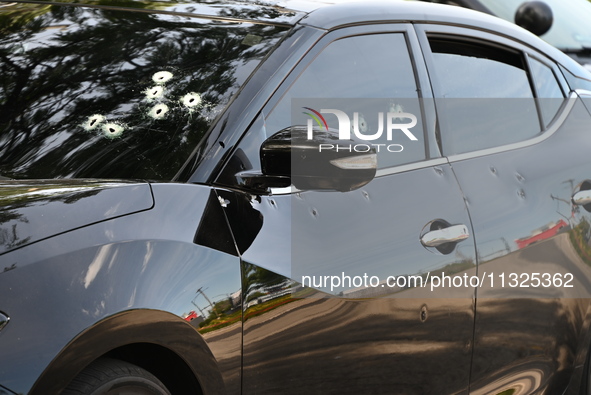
(382, 329)
(517, 141)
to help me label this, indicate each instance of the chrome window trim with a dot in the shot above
(283, 191)
(411, 166)
(566, 109)
(558, 121)
(583, 92)
(379, 173)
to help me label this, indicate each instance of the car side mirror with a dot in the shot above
(321, 163)
(535, 16)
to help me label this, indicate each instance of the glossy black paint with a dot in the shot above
(516, 195)
(130, 265)
(117, 268)
(363, 334)
(33, 210)
(306, 168)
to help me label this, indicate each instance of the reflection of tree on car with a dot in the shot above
(47, 82)
(119, 280)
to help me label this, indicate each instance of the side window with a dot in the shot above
(504, 111)
(370, 78)
(367, 75)
(549, 93)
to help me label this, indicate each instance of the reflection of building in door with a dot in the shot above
(191, 315)
(541, 233)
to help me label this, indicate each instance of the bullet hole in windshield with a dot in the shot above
(159, 106)
(162, 77)
(191, 100)
(360, 123)
(158, 111)
(396, 108)
(113, 130)
(93, 122)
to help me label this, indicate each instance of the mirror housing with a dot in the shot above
(535, 16)
(322, 163)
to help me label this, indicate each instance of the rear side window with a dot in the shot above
(484, 96)
(113, 94)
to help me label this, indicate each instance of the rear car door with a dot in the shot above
(518, 143)
(381, 329)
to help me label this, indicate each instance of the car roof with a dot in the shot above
(328, 15)
(226, 10)
(391, 11)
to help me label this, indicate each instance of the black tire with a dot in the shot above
(113, 377)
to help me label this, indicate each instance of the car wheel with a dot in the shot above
(113, 377)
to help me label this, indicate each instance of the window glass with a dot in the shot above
(549, 93)
(367, 75)
(504, 112)
(92, 93)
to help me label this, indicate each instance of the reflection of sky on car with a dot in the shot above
(216, 279)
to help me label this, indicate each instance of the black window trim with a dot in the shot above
(211, 155)
(532, 84)
(553, 68)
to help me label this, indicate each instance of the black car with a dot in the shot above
(241, 198)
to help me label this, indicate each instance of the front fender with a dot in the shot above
(59, 292)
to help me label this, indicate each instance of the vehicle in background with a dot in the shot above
(569, 29)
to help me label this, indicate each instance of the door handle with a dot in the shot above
(452, 234)
(582, 198)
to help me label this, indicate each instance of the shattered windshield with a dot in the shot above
(98, 93)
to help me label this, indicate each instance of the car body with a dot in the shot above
(568, 31)
(166, 214)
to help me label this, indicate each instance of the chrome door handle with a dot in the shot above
(452, 234)
(582, 198)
